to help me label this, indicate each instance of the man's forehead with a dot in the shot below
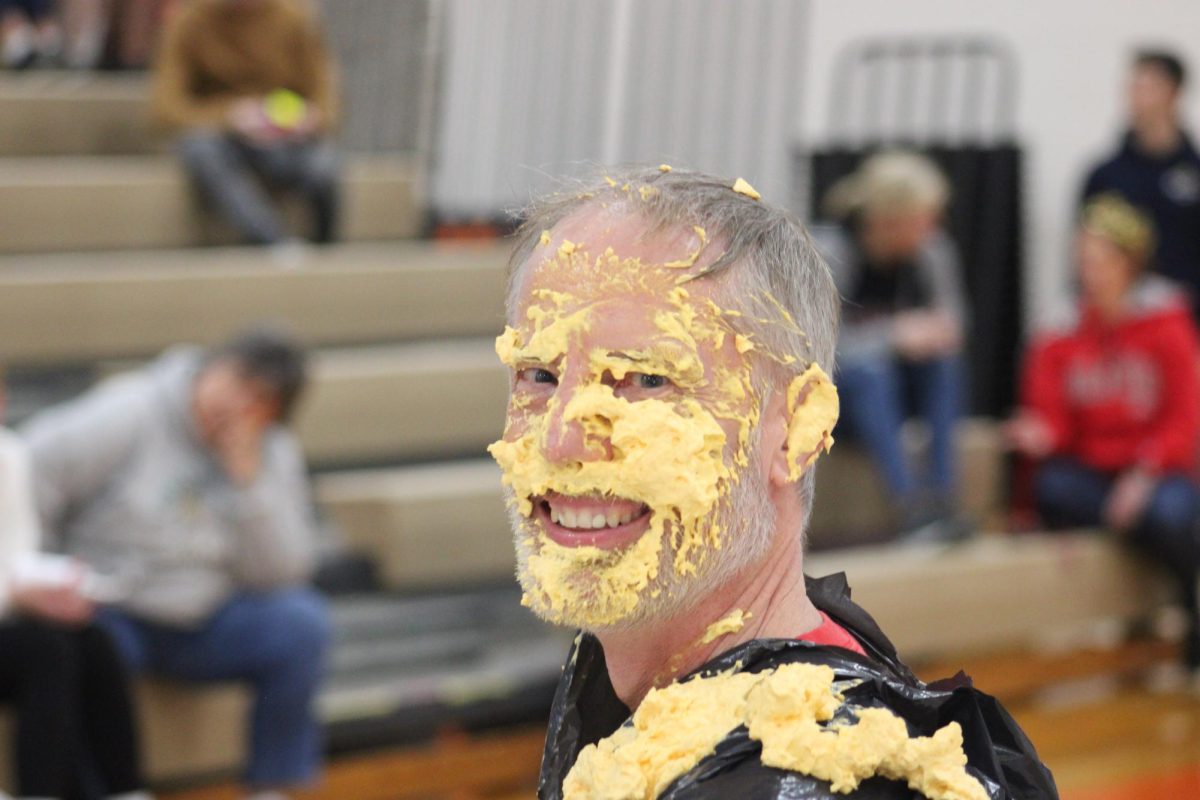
(598, 252)
(631, 235)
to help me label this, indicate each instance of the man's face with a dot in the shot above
(223, 398)
(628, 450)
(1152, 95)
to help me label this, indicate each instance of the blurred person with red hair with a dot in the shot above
(1110, 401)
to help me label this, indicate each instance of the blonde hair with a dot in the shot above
(1114, 218)
(897, 181)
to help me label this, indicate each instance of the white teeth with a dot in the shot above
(586, 520)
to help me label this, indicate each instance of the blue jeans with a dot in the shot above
(874, 397)
(1069, 494)
(274, 641)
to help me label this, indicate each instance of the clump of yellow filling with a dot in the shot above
(741, 186)
(813, 407)
(672, 730)
(789, 710)
(732, 622)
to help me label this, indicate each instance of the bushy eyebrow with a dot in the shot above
(631, 357)
(533, 361)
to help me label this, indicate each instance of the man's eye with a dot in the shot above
(537, 375)
(644, 381)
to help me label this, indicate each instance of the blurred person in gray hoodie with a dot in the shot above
(182, 484)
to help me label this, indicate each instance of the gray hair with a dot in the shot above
(769, 263)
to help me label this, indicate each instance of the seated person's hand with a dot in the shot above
(1028, 434)
(239, 448)
(61, 602)
(309, 125)
(1128, 499)
(921, 335)
(945, 336)
(280, 116)
(249, 120)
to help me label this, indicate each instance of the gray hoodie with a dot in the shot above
(123, 481)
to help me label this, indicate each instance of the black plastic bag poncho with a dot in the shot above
(586, 710)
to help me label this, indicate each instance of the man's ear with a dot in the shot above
(775, 439)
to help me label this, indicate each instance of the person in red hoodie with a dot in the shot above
(1110, 403)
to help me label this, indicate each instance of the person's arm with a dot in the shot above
(1173, 434)
(20, 532)
(1044, 405)
(173, 101)
(318, 77)
(274, 532)
(942, 269)
(1171, 439)
(76, 447)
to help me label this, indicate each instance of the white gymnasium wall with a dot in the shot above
(1072, 57)
(538, 88)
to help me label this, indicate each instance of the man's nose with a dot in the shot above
(568, 438)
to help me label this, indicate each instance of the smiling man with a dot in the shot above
(669, 340)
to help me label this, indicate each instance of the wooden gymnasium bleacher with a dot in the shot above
(99, 269)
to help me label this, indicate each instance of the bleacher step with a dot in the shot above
(75, 113)
(996, 591)
(424, 525)
(59, 203)
(62, 309)
(404, 402)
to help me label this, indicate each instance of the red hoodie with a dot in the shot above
(1123, 394)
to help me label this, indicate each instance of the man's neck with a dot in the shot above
(1158, 137)
(771, 597)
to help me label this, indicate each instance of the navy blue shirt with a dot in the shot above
(1168, 188)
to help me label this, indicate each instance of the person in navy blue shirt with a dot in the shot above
(1157, 168)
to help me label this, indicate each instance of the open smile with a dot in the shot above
(591, 521)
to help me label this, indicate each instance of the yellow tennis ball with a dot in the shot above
(285, 109)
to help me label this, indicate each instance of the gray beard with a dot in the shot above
(747, 520)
